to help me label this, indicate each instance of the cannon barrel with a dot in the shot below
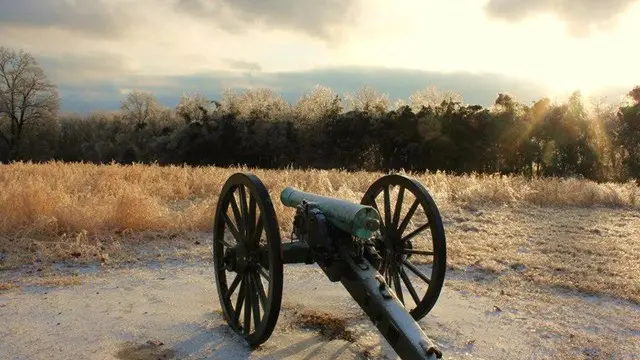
(356, 219)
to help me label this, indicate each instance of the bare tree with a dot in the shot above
(139, 107)
(317, 104)
(368, 99)
(431, 96)
(26, 96)
(261, 102)
(195, 108)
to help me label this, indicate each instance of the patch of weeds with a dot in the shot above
(6, 266)
(152, 350)
(55, 281)
(329, 326)
(4, 286)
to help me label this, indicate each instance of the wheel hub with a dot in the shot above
(230, 260)
(402, 247)
(240, 259)
(394, 246)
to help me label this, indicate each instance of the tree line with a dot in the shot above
(431, 131)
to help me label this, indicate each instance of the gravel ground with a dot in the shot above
(170, 311)
(529, 283)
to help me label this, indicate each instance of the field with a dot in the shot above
(544, 246)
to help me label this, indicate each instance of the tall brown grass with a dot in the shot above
(60, 198)
(88, 212)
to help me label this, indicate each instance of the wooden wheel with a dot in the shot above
(411, 242)
(247, 258)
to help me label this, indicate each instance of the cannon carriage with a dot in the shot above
(369, 247)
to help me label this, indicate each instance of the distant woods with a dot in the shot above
(257, 127)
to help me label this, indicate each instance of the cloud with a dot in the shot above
(580, 16)
(90, 17)
(396, 83)
(243, 65)
(321, 19)
(82, 68)
(95, 81)
(401, 83)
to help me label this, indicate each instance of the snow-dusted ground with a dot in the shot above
(510, 305)
(113, 314)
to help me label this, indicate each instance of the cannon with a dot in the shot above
(373, 248)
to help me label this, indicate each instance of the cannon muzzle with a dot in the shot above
(358, 220)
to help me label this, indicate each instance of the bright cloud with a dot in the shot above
(560, 45)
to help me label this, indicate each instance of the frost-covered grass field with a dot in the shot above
(569, 233)
(537, 268)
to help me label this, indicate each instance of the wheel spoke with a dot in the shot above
(240, 300)
(398, 209)
(264, 273)
(409, 286)
(416, 271)
(236, 215)
(373, 204)
(396, 282)
(243, 209)
(416, 231)
(233, 229)
(252, 217)
(387, 208)
(382, 265)
(234, 285)
(258, 232)
(408, 217)
(417, 252)
(261, 293)
(254, 301)
(247, 306)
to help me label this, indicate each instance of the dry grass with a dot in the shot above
(5, 285)
(57, 198)
(328, 325)
(53, 281)
(49, 280)
(94, 213)
(150, 350)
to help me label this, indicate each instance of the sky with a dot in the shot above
(97, 51)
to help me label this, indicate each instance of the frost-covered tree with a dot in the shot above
(27, 96)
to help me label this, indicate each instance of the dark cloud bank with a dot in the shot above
(318, 18)
(92, 18)
(481, 89)
(321, 19)
(580, 16)
(396, 83)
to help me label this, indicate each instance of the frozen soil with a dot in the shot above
(495, 307)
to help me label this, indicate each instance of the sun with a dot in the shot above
(561, 85)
